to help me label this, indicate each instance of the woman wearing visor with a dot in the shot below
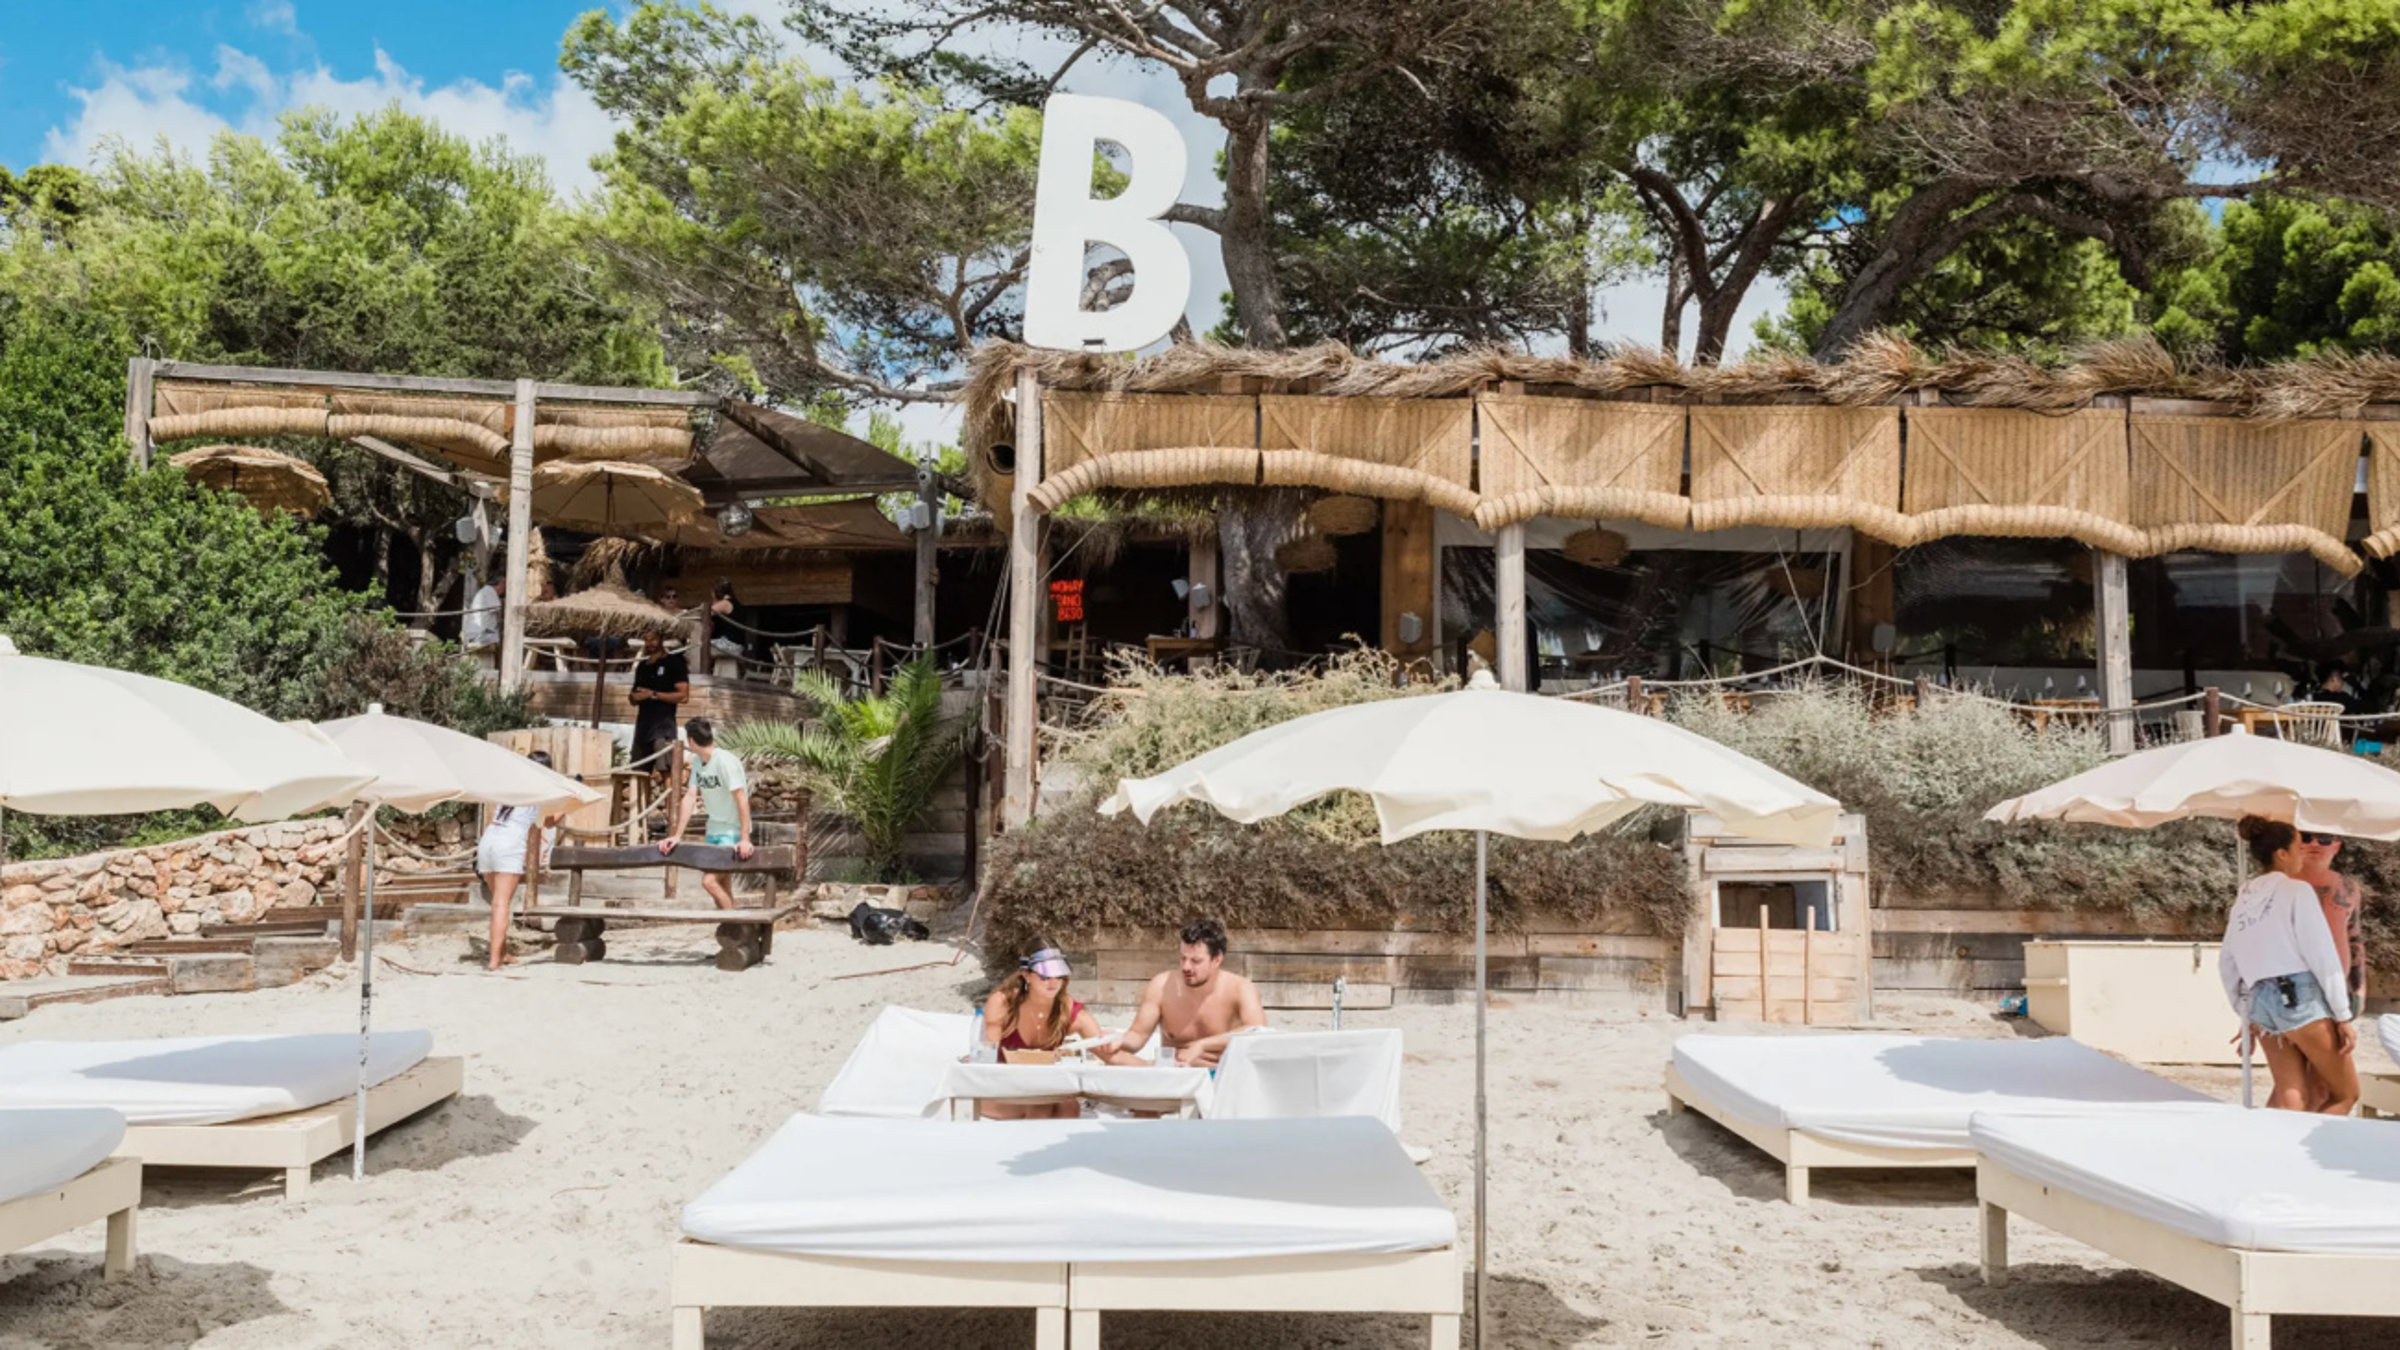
(1031, 1011)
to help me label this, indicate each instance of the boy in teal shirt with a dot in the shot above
(720, 785)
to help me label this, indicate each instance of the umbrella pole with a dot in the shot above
(366, 1008)
(1482, 848)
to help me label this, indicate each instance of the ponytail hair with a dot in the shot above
(2266, 838)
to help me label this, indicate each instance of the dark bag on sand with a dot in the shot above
(882, 927)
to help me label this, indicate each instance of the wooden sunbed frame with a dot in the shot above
(2256, 1286)
(296, 1141)
(1067, 1299)
(112, 1190)
(2379, 1094)
(1800, 1152)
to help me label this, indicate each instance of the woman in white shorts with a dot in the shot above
(500, 859)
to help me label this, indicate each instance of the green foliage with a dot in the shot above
(376, 661)
(874, 760)
(2020, 287)
(813, 234)
(2287, 278)
(376, 243)
(1923, 780)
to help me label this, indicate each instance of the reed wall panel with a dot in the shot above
(2236, 486)
(1586, 458)
(1798, 468)
(1996, 471)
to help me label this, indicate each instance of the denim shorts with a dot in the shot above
(2272, 1013)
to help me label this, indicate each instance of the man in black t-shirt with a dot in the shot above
(662, 681)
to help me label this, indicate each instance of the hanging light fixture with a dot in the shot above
(734, 519)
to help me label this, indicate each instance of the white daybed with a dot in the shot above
(1847, 1100)
(1072, 1218)
(252, 1102)
(56, 1175)
(2379, 1093)
(2266, 1212)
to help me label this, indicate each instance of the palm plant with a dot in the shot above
(874, 760)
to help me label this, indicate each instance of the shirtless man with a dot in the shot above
(1198, 1005)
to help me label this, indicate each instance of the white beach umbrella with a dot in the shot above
(1488, 760)
(2225, 778)
(79, 740)
(417, 765)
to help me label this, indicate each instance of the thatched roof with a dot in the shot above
(1877, 370)
(605, 610)
(270, 479)
(2124, 448)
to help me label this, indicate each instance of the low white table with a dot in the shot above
(1168, 1090)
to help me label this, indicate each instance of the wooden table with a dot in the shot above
(744, 935)
(1131, 1087)
(2065, 709)
(1166, 650)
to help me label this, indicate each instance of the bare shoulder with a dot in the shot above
(1240, 986)
(1157, 988)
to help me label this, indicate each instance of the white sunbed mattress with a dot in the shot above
(2274, 1181)
(2387, 1028)
(202, 1080)
(41, 1150)
(898, 1068)
(1075, 1190)
(1907, 1091)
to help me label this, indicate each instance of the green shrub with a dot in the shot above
(1923, 781)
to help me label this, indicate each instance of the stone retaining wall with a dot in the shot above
(61, 907)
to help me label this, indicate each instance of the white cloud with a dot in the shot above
(276, 16)
(141, 106)
(548, 118)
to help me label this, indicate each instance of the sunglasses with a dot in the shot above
(2307, 838)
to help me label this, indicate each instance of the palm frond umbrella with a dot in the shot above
(2224, 778)
(418, 765)
(610, 496)
(269, 479)
(608, 610)
(79, 740)
(1488, 760)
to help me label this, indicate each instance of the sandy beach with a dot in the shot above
(536, 1210)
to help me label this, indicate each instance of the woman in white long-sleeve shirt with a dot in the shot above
(2283, 974)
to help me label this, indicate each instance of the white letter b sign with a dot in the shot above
(1066, 221)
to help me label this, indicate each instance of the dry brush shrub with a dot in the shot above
(1075, 871)
(1923, 781)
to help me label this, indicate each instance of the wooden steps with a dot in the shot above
(19, 997)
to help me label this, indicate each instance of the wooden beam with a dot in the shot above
(520, 540)
(138, 387)
(1024, 603)
(431, 384)
(2115, 624)
(929, 543)
(422, 467)
(1508, 627)
(742, 416)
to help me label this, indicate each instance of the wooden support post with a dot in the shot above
(520, 540)
(1924, 693)
(2115, 623)
(2212, 709)
(1200, 569)
(354, 857)
(875, 668)
(1766, 1007)
(1024, 602)
(1634, 698)
(929, 541)
(1808, 965)
(140, 374)
(1508, 625)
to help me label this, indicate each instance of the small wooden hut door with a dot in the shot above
(1786, 963)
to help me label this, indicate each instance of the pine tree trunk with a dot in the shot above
(1248, 251)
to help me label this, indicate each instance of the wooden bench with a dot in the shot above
(744, 936)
